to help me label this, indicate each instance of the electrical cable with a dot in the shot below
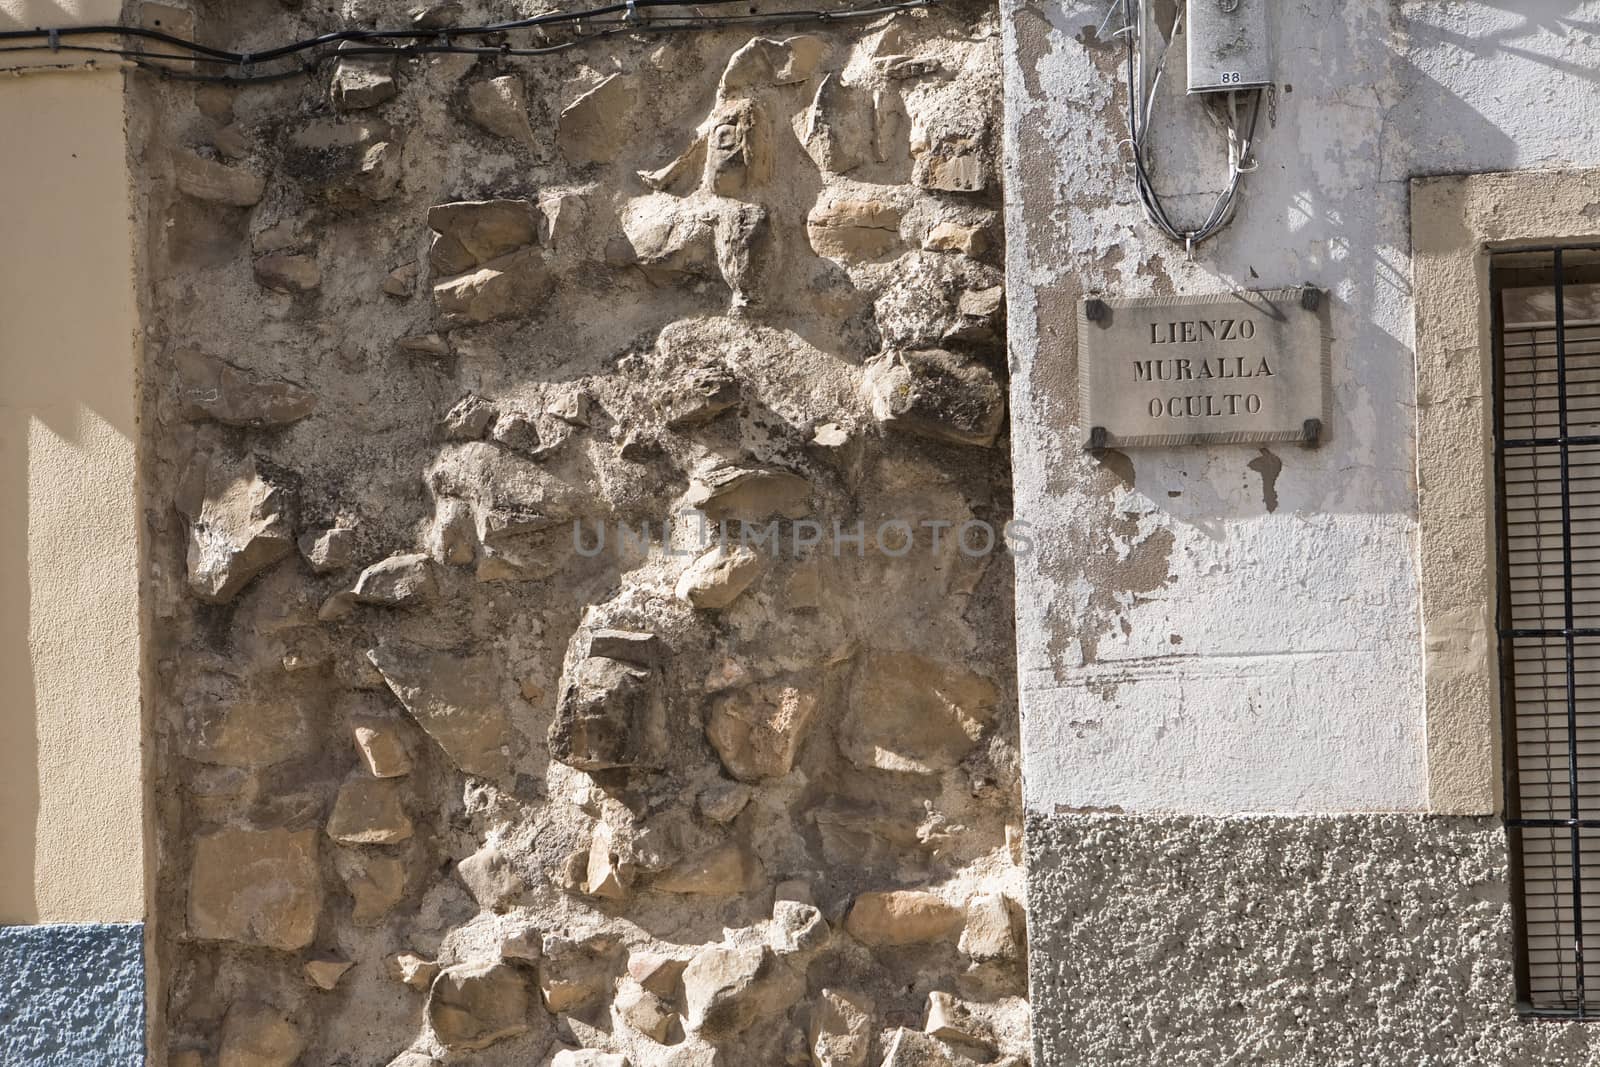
(431, 41)
(1141, 106)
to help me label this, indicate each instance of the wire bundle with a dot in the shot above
(1136, 31)
(308, 55)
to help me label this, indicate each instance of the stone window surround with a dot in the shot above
(1457, 221)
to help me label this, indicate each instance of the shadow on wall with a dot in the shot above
(19, 747)
(66, 427)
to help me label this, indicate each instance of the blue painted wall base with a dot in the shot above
(72, 995)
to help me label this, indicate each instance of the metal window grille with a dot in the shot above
(1546, 316)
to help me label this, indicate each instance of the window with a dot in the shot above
(1546, 339)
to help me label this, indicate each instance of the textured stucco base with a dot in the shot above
(1367, 940)
(72, 995)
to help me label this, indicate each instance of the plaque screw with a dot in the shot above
(1311, 433)
(1097, 439)
(1094, 309)
(1310, 297)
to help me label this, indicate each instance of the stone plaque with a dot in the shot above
(1231, 367)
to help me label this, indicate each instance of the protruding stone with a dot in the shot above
(700, 396)
(982, 314)
(758, 730)
(325, 973)
(936, 394)
(745, 493)
(425, 344)
(524, 946)
(455, 700)
(727, 987)
(990, 933)
(256, 887)
(241, 523)
(723, 871)
(656, 972)
(473, 1006)
(368, 811)
(901, 917)
(491, 878)
(279, 237)
(950, 1019)
(485, 244)
(375, 175)
(516, 430)
(629, 646)
(717, 578)
(797, 928)
(399, 581)
(908, 1048)
(500, 106)
(956, 237)
(571, 974)
(571, 406)
(402, 281)
(913, 715)
(376, 882)
(223, 393)
(853, 231)
(611, 714)
(842, 1026)
(721, 802)
(830, 435)
(338, 606)
(255, 1035)
(474, 233)
(453, 537)
(413, 970)
(329, 550)
(962, 170)
(510, 286)
(643, 1011)
(285, 273)
(469, 419)
(217, 183)
(764, 61)
(588, 1057)
(590, 128)
(383, 750)
(666, 240)
(565, 213)
(837, 130)
(362, 82)
(606, 876)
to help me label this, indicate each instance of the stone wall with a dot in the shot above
(436, 779)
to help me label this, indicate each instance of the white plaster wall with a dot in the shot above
(1181, 646)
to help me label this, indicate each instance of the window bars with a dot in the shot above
(1546, 316)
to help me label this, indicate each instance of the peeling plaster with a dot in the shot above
(1292, 575)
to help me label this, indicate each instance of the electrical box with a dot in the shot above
(1229, 46)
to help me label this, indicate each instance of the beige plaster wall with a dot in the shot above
(1455, 221)
(72, 836)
